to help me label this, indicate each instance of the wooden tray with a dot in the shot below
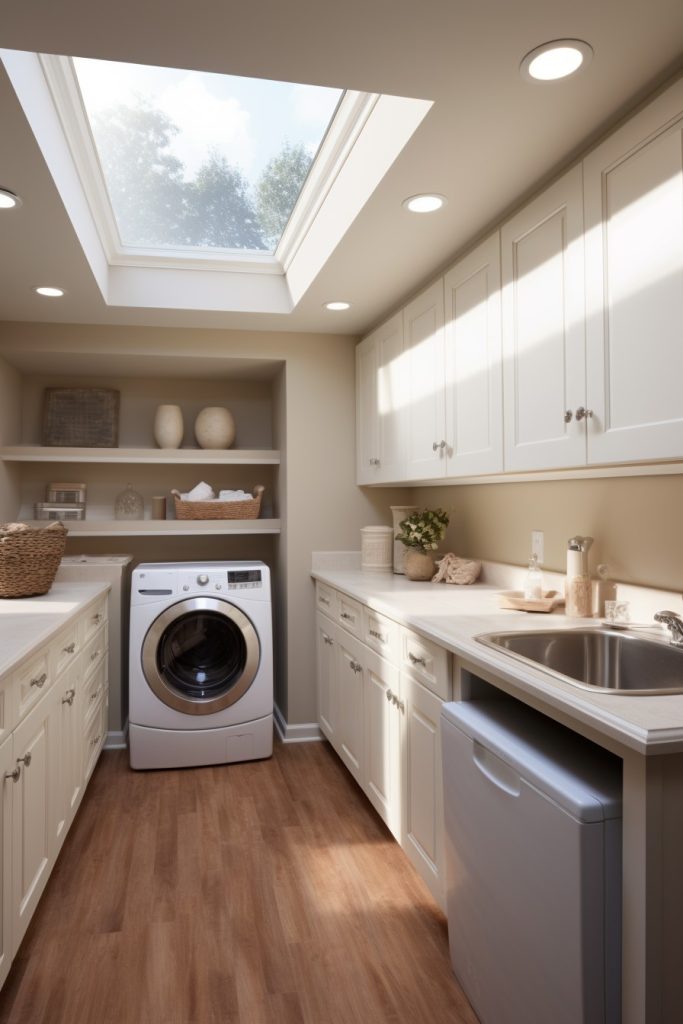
(516, 600)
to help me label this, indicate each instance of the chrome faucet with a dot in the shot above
(675, 624)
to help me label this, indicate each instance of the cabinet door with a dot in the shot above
(350, 694)
(380, 404)
(69, 765)
(426, 442)
(367, 417)
(474, 367)
(7, 766)
(422, 835)
(634, 281)
(326, 651)
(34, 817)
(382, 711)
(543, 330)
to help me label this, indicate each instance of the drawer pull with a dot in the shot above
(26, 759)
(95, 741)
(68, 697)
(401, 706)
(327, 639)
(94, 656)
(14, 775)
(345, 615)
(377, 635)
(324, 600)
(94, 695)
(70, 648)
(356, 667)
(97, 617)
(39, 681)
(390, 696)
(416, 661)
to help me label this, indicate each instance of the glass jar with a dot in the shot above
(129, 504)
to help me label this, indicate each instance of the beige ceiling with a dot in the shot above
(489, 139)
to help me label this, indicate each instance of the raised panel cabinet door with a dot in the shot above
(350, 671)
(367, 437)
(8, 782)
(634, 281)
(326, 651)
(382, 710)
(422, 835)
(391, 400)
(34, 817)
(544, 368)
(474, 363)
(425, 424)
(69, 762)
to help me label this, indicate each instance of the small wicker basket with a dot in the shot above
(29, 558)
(219, 509)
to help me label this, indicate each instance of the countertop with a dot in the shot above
(28, 622)
(452, 616)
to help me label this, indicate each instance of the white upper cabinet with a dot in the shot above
(474, 373)
(425, 417)
(634, 287)
(543, 329)
(380, 406)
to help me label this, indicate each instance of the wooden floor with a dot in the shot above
(256, 893)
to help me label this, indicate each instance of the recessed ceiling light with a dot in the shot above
(49, 291)
(425, 203)
(337, 306)
(558, 59)
(8, 200)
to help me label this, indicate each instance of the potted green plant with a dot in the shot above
(421, 533)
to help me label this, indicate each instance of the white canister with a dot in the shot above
(377, 548)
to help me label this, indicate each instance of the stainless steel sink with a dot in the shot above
(597, 659)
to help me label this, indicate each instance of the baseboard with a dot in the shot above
(306, 733)
(117, 740)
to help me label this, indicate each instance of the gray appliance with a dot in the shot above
(533, 847)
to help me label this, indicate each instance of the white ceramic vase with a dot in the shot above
(214, 427)
(168, 426)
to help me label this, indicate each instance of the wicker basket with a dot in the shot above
(29, 558)
(219, 509)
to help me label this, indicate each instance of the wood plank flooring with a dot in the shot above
(244, 894)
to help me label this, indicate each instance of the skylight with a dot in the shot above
(201, 161)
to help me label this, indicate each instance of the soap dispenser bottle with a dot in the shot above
(533, 584)
(579, 586)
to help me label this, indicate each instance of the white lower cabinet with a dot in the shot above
(381, 715)
(7, 768)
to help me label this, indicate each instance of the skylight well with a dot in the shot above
(199, 162)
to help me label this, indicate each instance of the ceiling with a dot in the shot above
(488, 140)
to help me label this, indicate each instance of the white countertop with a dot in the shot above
(26, 623)
(452, 616)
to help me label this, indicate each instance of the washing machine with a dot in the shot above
(201, 664)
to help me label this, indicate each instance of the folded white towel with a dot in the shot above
(202, 492)
(235, 496)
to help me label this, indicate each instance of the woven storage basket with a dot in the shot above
(219, 509)
(29, 558)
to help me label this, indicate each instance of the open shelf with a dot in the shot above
(131, 456)
(165, 527)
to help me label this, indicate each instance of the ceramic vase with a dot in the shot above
(398, 514)
(419, 565)
(168, 426)
(214, 427)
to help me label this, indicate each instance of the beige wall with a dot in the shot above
(636, 522)
(314, 424)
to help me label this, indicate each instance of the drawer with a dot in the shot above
(94, 738)
(66, 648)
(95, 688)
(32, 680)
(94, 650)
(349, 615)
(426, 662)
(326, 599)
(94, 617)
(381, 634)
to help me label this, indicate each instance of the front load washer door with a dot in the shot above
(200, 655)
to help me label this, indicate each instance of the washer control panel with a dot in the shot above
(243, 579)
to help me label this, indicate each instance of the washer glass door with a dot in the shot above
(201, 655)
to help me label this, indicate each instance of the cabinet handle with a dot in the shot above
(377, 635)
(438, 445)
(584, 414)
(356, 667)
(93, 743)
(374, 462)
(40, 681)
(345, 615)
(568, 416)
(94, 695)
(26, 759)
(70, 648)
(416, 661)
(327, 639)
(68, 697)
(97, 617)
(14, 776)
(401, 706)
(390, 696)
(323, 600)
(95, 655)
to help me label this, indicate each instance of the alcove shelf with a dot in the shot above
(139, 456)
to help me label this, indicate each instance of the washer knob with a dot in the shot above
(202, 580)
(185, 587)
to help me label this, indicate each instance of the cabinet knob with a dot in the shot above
(356, 667)
(94, 656)
(345, 615)
(26, 759)
(39, 681)
(390, 696)
(584, 414)
(438, 445)
(68, 697)
(14, 775)
(374, 462)
(70, 648)
(568, 416)
(97, 617)
(327, 639)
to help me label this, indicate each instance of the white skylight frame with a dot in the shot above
(349, 118)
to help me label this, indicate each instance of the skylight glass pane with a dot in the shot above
(203, 160)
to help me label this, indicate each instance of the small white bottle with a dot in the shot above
(533, 584)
